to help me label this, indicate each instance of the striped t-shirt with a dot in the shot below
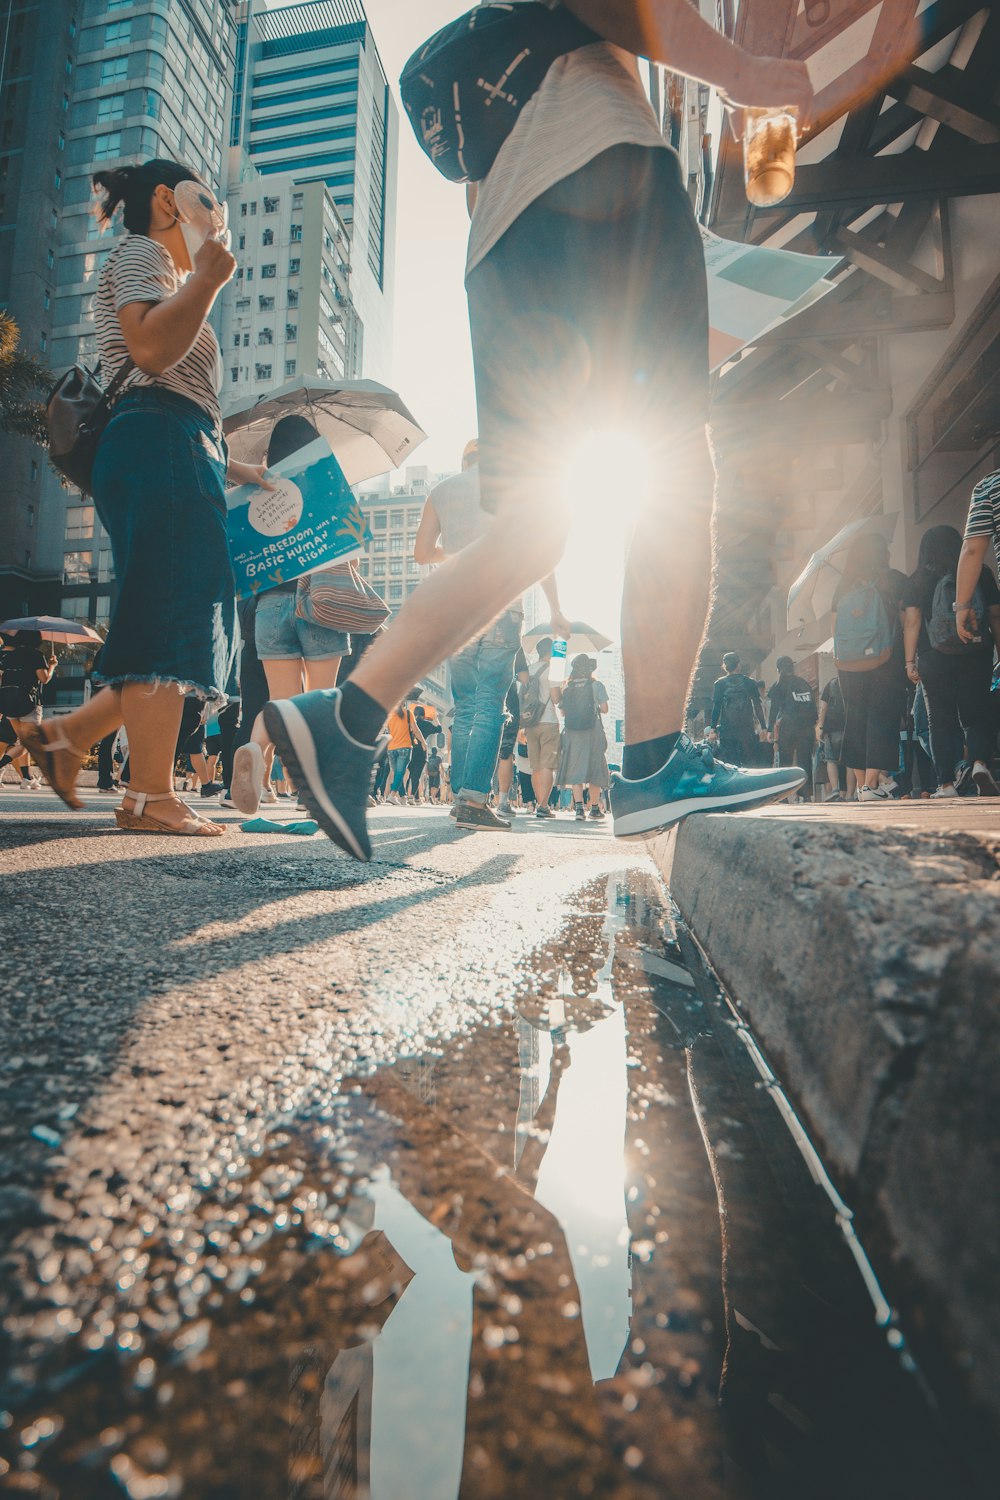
(589, 101)
(984, 511)
(142, 270)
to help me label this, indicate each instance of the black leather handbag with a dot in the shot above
(464, 89)
(77, 411)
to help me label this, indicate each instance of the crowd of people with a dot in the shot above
(914, 707)
(575, 328)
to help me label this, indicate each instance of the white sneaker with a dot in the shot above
(873, 794)
(248, 778)
(945, 792)
(269, 794)
(983, 777)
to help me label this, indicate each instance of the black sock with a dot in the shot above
(646, 758)
(25, 773)
(360, 715)
(5, 760)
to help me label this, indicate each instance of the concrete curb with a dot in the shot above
(867, 960)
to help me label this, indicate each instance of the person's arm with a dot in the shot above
(427, 548)
(821, 709)
(555, 694)
(159, 334)
(559, 621)
(716, 705)
(758, 708)
(46, 673)
(672, 32)
(970, 566)
(912, 621)
(776, 703)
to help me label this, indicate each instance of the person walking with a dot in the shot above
(583, 762)
(25, 671)
(830, 722)
(792, 720)
(294, 653)
(540, 722)
(956, 674)
(576, 330)
(737, 716)
(403, 735)
(159, 481)
(867, 627)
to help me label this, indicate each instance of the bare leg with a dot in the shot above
(284, 680)
(505, 777)
(668, 579)
(152, 717)
(542, 781)
(459, 600)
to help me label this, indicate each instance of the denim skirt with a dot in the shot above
(159, 489)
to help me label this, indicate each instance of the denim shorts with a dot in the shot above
(159, 488)
(282, 636)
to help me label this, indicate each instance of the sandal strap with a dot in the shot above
(141, 798)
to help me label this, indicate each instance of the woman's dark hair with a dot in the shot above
(288, 435)
(939, 551)
(133, 187)
(867, 556)
(785, 665)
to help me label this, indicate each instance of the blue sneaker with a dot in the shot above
(693, 781)
(331, 770)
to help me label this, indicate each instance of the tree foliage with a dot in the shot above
(22, 379)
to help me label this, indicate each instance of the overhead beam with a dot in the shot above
(946, 96)
(890, 179)
(902, 275)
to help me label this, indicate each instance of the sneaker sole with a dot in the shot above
(248, 779)
(659, 819)
(297, 750)
(482, 827)
(987, 786)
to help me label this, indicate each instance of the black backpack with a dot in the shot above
(464, 89)
(736, 715)
(579, 704)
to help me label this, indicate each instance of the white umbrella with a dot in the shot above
(811, 595)
(582, 638)
(366, 424)
(54, 628)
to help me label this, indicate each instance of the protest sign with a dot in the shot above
(309, 521)
(752, 289)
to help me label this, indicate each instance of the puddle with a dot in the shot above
(574, 1253)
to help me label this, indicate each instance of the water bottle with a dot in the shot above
(557, 665)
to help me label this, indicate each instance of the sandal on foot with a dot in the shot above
(58, 760)
(138, 820)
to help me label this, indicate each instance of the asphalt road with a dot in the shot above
(438, 1177)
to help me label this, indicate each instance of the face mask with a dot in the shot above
(199, 216)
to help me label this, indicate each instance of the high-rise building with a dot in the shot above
(312, 105)
(87, 84)
(37, 76)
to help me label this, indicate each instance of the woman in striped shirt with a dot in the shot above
(159, 488)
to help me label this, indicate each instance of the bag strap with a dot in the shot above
(124, 371)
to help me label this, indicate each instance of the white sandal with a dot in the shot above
(138, 820)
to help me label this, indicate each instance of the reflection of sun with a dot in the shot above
(607, 481)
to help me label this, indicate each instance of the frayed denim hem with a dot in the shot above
(155, 680)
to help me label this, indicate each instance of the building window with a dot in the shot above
(114, 70)
(413, 516)
(265, 304)
(253, 209)
(396, 518)
(378, 545)
(242, 242)
(46, 301)
(296, 201)
(395, 567)
(265, 336)
(77, 567)
(289, 367)
(79, 522)
(116, 33)
(43, 342)
(263, 372)
(243, 210)
(249, 276)
(293, 296)
(34, 476)
(234, 373)
(296, 234)
(293, 267)
(111, 109)
(378, 520)
(267, 238)
(108, 145)
(271, 205)
(50, 259)
(291, 332)
(268, 273)
(395, 591)
(396, 543)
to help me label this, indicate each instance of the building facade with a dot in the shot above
(312, 106)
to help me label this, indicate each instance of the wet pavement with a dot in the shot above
(449, 1177)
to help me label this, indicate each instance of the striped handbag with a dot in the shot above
(340, 599)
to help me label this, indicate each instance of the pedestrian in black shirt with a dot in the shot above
(737, 715)
(874, 696)
(792, 720)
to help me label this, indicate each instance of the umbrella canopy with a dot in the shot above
(811, 595)
(52, 628)
(583, 638)
(366, 424)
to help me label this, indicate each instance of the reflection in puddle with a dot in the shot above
(528, 1266)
